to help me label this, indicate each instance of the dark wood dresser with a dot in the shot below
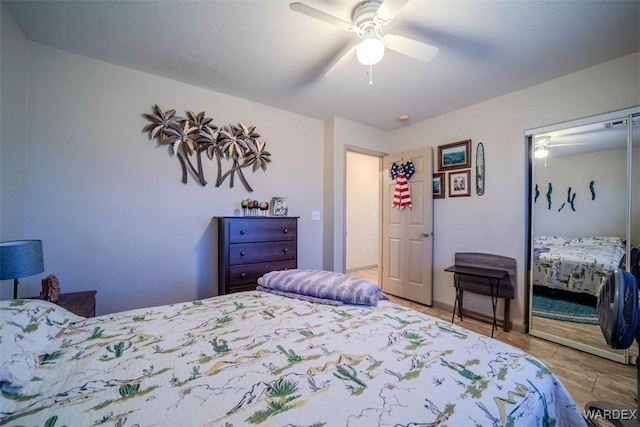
(248, 247)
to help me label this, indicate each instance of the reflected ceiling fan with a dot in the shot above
(369, 19)
(543, 142)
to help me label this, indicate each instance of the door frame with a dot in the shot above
(379, 155)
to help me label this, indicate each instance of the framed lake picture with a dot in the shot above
(438, 185)
(456, 155)
(459, 185)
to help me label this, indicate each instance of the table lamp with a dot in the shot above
(20, 258)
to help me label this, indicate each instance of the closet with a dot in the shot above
(584, 221)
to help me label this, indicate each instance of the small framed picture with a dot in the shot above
(456, 155)
(459, 185)
(279, 206)
(438, 185)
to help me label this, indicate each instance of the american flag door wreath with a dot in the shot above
(401, 173)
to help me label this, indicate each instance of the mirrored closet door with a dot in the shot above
(584, 218)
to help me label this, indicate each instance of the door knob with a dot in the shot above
(423, 235)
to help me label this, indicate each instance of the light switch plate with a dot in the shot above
(315, 215)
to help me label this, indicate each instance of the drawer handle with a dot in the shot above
(241, 231)
(286, 250)
(285, 231)
(242, 253)
(243, 275)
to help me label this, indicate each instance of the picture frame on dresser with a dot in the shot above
(279, 206)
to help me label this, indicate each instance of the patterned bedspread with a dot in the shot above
(576, 264)
(261, 359)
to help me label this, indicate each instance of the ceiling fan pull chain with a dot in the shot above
(370, 74)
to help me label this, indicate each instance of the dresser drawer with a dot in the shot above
(247, 253)
(242, 276)
(257, 230)
(249, 247)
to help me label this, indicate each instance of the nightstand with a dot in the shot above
(80, 303)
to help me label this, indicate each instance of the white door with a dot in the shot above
(407, 241)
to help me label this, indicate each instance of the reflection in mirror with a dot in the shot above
(579, 228)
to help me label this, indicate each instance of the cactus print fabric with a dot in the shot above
(576, 264)
(29, 327)
(256, 358)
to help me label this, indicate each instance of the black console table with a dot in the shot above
(485, 274)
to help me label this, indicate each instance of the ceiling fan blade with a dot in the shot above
(347, 55)
(413, 48)
(318, 14)
(389, 9)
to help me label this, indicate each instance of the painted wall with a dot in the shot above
(108, 203)
(605, 215)
(363, 204)
(497, 221)
(13, 131)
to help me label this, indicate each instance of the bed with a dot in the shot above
(258, 358)
(575, 264)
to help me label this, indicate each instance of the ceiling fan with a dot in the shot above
(369, 19)
(543, 142)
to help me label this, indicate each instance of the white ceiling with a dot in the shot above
(263, 51)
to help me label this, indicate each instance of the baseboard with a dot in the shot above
(368, 267)
(517, 327)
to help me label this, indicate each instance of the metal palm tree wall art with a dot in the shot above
(195, 134)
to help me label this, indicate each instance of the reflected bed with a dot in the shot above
(575, 264)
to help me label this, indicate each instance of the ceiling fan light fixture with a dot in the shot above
(541, 153)
(370, 51)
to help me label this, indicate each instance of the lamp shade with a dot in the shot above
(20, 258)
(370, 51)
